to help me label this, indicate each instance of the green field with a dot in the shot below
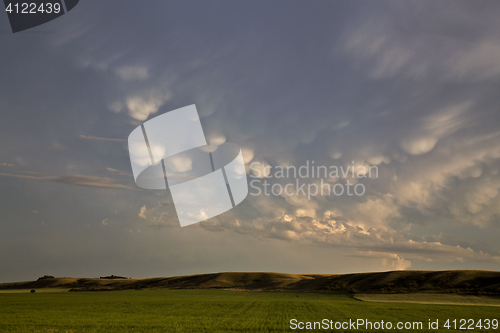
(430, 298)
(208, 311)
(27, 291)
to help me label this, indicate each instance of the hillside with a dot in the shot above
(463, 282)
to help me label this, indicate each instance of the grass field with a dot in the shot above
(27, 291)
(430, 298)
(208, 311)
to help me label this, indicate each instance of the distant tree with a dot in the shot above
(32, 291)
(46, 277)
(111, 277)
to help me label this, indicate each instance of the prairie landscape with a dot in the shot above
(248, 302)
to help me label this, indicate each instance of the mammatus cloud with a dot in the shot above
(441, 163)
(140, 105)
(91, 181)
(391, 48)
(460, 164)
(438, 125)
(418, 145)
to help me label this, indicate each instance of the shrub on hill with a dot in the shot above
(110, 277)
(45, 277)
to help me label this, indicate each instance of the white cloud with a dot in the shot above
(179, 163)
(418, 146)
(139, 152)
(248, 155)
(335, 153)
(142, 212)
(156, 216)
(377, 159)
(389, 261)
(434, 127)
(376, 211)
(391, 248)
(426, 182)
(141, 106)
(260, 169)
(390, 48)
(216, 138)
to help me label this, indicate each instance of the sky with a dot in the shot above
(410, 88)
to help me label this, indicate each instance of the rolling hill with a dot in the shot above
(461, 282)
